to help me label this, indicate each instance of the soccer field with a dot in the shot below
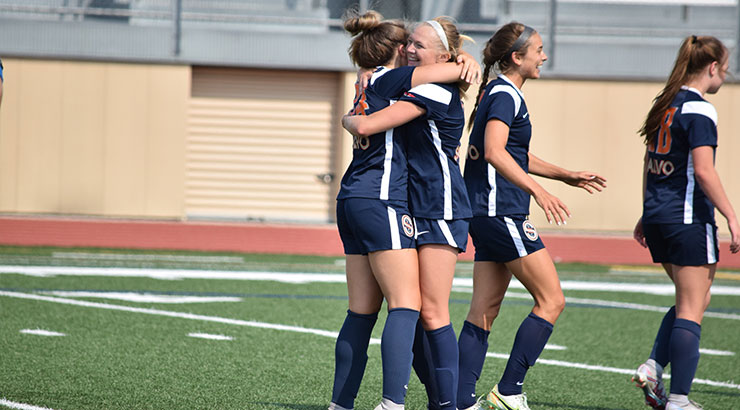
(115, 329)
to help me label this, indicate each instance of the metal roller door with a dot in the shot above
(259, 144)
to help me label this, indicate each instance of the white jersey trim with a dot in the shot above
(385, 180)
(688, 201)
(491, 172)
(516, 237)
(509, 90)
(378, 74)
(702, 108)
(711, 255)
(433, 92)
(447, 233)
(447, 181)
(393, 225)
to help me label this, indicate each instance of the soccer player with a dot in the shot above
(373, 217)
(434, 121)
(681, 188)
(506, 242)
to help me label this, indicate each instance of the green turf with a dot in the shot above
(130, 360)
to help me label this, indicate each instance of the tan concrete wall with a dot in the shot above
(93, 138)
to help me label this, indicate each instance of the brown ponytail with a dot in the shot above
(375, 41)
(694, 55)
(496, 55)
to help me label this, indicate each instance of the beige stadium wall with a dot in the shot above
(91, 138)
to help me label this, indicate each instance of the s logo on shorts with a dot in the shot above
(529, 230)
(408, 225)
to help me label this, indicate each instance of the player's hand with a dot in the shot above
(638, 234)
(589, 181)
(555, 209)
(734, 236)
(471, 71)
(363, 77)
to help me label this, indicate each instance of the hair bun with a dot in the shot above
(357, 24)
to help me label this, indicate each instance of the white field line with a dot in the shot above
(713, 352)
(146, 257)
(302, 330)
(20, 406)
(210, 336)
(289, 277)
(613, 304)
(608, 369)
(144, 297)
(41, 332)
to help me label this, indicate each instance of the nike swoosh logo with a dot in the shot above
(444, 404)
(526, 114)
(421, 233)
(520, 383)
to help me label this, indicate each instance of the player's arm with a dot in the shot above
(638, 233)
(587, 180)
(496, 137)
(389, 117)
(466, 69)
(708, 179)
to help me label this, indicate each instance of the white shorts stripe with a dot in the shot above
(447, 233)
(688, 201)
(516, 237)
(711, 255)
(393, 225)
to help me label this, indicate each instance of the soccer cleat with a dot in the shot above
(691, 405)
(650, 380)
(481, 404)
(335, 406)
(497, 401)
(387, 404)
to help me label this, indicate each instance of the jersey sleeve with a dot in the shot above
(504, 106)
(702, 123)
(1, 71)
(435, 99)
(393, 83)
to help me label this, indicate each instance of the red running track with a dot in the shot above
(281, 238)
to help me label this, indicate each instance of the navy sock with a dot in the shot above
(684, 355)
(350, 355)
(423, 366)
(443, 346)
(661, 347)
(530, 339)
(472, 347)
(395, 348)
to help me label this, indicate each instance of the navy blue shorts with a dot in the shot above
(503, 238)
(682, 244)
(440, 231)
(369, 225)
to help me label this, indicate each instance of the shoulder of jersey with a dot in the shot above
(701, 107)
(434, 92)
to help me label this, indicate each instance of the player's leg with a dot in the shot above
(537, 273)
(365, 299)
(397, 273)
(692, 294)
(490, 281)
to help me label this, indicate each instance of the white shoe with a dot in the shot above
(649, 378)
(501, 402)
(691, 405)
(481, 404)
(335, 406)
(387, 404)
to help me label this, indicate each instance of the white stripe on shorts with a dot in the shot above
(516, 237)
(393, 225)
(446, 232)
(711, 256)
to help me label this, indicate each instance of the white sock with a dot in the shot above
(335, 406)
(678, 399)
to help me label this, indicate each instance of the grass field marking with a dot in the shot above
(713, 352)
(298, 329)
(210, 336)
(139, 297)
(20, 406)
(41, 332)
(658, 271)
(146, 257)
(608, 369)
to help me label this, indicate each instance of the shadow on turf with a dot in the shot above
(715, 393)
(293, 406)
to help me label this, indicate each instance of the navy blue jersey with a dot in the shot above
(672, 194)
(436, 186)
(490, 193)
(378, 168)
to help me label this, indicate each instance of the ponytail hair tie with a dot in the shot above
(693, 39)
